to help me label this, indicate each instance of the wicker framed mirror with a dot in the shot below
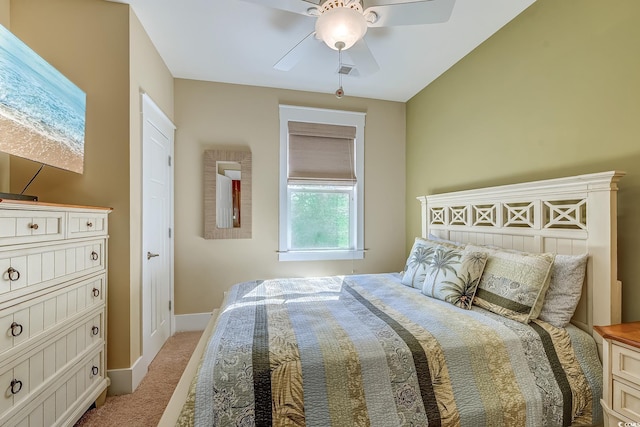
(227, 194)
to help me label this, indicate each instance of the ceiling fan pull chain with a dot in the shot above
(340, 91)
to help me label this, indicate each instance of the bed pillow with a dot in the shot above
(513, 284)
(442, 240)
(453, 275)
(565, 289)
(419, 257)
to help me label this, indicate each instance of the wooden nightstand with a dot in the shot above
(621, 376)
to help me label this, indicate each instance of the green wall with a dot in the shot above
(556, 92)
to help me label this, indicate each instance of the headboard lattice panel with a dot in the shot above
(572, 215)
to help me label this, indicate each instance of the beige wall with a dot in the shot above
(101, 47)
(216, 114)
(554, 93)
(5, 13)
(88, 42)
(149, 75)
(5, 20)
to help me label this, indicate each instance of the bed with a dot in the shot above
(411, 348)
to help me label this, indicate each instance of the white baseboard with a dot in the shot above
(125, 381)
(192, 322)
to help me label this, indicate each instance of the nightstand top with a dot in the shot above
(628, 333)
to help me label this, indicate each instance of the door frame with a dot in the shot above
(147, 105)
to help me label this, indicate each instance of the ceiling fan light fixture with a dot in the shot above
(341, 24)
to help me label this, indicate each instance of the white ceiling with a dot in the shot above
(234, 41)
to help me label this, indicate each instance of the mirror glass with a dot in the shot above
(228, 190)
(227, 194)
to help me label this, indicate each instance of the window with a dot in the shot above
(321, 184)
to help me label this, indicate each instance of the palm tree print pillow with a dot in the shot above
(453, 275)
(415, 269)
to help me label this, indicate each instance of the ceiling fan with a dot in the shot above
(342, 24)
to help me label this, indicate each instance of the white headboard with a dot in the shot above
(572, 215)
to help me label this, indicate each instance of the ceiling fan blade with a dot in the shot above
(296, 6)
(412, 13)
(363, 58)
(298, 52)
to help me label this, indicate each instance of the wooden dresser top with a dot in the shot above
(628, 333)
(26, 204)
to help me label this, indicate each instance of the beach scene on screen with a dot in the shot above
(42, 113)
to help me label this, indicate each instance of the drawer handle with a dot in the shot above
(95, 330)
(16, 327)
(89, 224)
(94, 256)
(13, 274)
(33, 226)
(16, 386)
(94, 370)
(96, 292)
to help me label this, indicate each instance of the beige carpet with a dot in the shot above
(144, 406)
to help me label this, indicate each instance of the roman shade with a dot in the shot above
(321, 152)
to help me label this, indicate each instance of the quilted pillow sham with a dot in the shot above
(453, 275)
(419, 258)
(513, 284)
(565, 289)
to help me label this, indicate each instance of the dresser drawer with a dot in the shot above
(28, 270)
(626, 400)
(24, 226)
(34, 318)
(87, 224)
(27, 374)
(625, 363)
(64, 401)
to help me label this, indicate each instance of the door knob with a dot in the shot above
(150, 255)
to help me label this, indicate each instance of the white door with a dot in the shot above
(157, 224)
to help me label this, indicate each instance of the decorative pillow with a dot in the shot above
(565, 289)
(453, 275)
(419, 257)
(513, 284)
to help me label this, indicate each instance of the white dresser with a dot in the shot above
(621, 376)
(53, 293)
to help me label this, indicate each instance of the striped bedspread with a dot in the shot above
(367, 351)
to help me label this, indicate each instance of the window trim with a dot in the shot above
(333, 117)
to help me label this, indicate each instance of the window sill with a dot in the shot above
(320, 255)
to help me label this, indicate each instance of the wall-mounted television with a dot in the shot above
(42, 113)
